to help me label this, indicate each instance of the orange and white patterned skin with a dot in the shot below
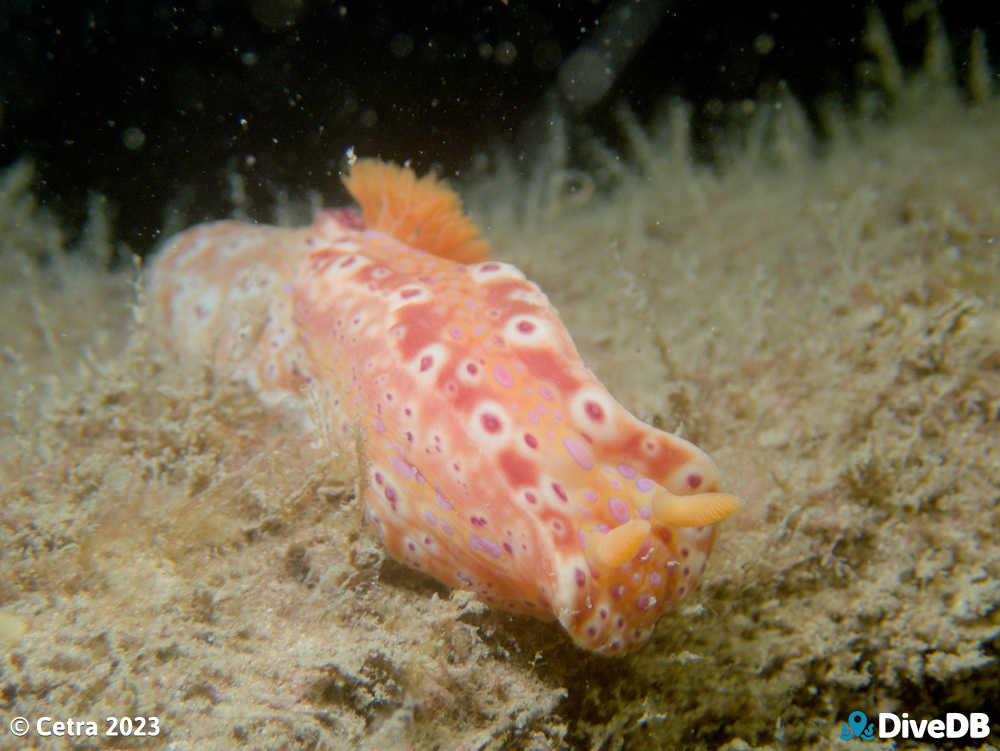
(493, 459)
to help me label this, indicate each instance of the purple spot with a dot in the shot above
(430, 518)
(645, 513)
(545, 392)
(483, 545)
(590, 495)
(580, 453)
(560, 492)
(390, 495)
(477, 521)
(592, 631)
(533, 417)
(508, 548)
(619, 510)
(603, 613)
(379, 425)
(442, 502)
(427, 540)
(685, 552)
(378, 478)
(626, 471)
(645, 601)
(654, 579)
(402, 467)
(644, 484)
(446, 529)
(579, 577)
(503, 376)
(411, 546)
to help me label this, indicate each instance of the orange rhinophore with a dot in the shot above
(494, 460)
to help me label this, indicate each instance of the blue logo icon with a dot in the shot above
(857, 726)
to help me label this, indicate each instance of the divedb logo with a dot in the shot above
(889, 725)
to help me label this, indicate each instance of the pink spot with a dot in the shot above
(491, 423)
(486, 546)
(430, 518)
(645, 601)
(590, 495)
(525, 327)
(446, 529)
(580, 453)
(594, 411)
(456, 333)
(693, 480)
(560, 492)
(619, 510)
(530, 498)
(545, 392)
(508, 548)
(531, 440)
(426, 362)
(378, 478)
(533, 417)
(645, 513)
(390, 495)
(406, 294)
(503, 376)
(477, 521)
(378, 425)
(472, 368)
(654, 579)
(644, 484)
(626, 471)
(489, 267)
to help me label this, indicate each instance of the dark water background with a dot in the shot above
(154, 103)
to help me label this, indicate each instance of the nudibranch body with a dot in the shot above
(493, 459)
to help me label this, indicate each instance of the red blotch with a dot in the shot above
(693, 480)
(594, 411)
(525, 327)
(472, 369)
(547, 366)
(519, 471)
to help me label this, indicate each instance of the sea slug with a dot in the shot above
(492, 458)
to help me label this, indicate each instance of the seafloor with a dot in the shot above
(822, 318)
